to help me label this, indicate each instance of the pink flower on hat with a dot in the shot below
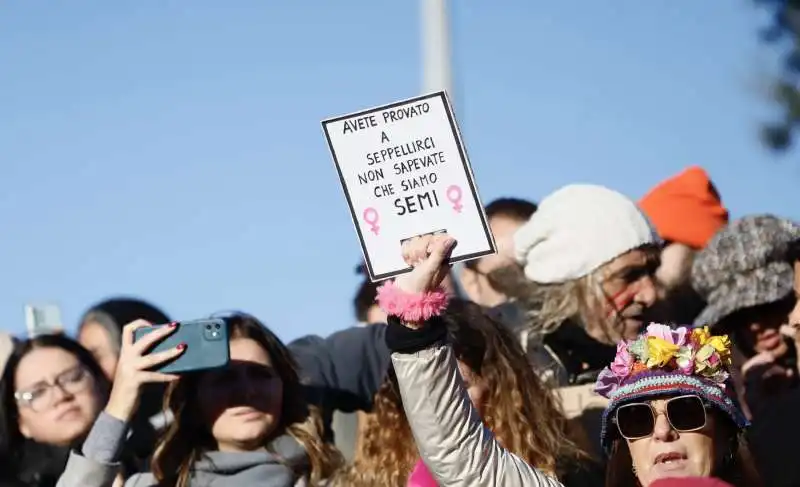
(621, 366)
(691, 352)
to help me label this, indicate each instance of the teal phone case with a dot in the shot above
(206, 340)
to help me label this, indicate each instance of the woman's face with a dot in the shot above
(94, 338)
(57, 397)
(757, 329)
(243, 400)
(476, 387)
(670, 453)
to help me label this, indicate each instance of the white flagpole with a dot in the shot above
(436, 57)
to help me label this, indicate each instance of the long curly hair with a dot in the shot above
(523, 414)
(189, 437)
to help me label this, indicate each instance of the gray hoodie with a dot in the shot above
(98, 466)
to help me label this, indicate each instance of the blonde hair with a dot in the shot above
(521, 412)
(550, 305)
(188, 437)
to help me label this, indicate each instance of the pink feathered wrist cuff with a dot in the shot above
(411, 307)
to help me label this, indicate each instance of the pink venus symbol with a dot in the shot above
(371, 217)
(454, 195)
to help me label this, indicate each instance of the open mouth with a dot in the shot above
(670, 458)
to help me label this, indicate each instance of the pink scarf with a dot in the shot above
(421, 476)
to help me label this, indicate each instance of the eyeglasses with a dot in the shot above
(638, 420)
(40, 397)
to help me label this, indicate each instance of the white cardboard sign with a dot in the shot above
(405, 173)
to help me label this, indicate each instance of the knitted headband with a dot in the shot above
(665, 361)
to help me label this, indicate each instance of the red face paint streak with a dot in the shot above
(621, 300)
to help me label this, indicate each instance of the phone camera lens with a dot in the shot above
(216, 326)
(208, 327)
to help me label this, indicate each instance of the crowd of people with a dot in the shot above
(683, 323)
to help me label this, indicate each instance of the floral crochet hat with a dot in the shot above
(666, 361)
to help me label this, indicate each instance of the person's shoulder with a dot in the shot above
(141, 480)
(357, 336)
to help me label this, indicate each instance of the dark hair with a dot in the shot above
(793, 252)
(188, 438)
(513, 208)
(365, 295)
(114, 313)
(11, 439)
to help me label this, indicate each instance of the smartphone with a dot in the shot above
(43, 319)
(206, 340)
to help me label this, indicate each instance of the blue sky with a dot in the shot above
(172, 150)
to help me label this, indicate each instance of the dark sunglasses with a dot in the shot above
(638, 420)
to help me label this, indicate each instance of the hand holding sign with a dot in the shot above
(400, 165)
(428, 255)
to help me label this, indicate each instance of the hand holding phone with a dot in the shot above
(206, 343)
(134, 367)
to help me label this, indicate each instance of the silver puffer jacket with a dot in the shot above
(456, 446)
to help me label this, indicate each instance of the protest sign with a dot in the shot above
(405, 173)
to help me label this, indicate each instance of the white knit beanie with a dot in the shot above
(577, 229)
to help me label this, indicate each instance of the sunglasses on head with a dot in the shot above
(638, 420)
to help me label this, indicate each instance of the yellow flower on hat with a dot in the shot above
(722, 345)
(701, 335)
(705, 353)
(660, 351)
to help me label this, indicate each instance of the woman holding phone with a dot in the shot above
(243, 424)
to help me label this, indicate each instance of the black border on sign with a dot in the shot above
(464, 161)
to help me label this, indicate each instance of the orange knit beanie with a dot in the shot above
(686, 208)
